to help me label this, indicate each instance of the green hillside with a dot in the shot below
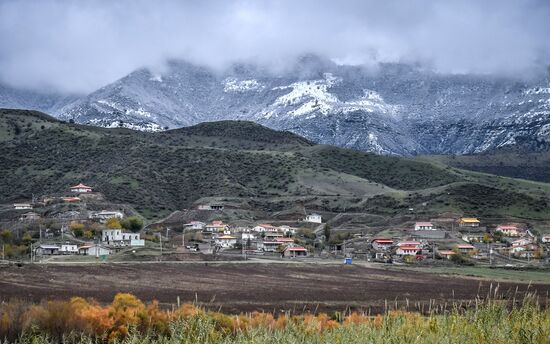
(525, 165)
(161, 172)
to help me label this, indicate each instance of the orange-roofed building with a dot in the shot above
(81, 188)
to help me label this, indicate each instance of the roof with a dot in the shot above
(300, 249)
(71, 199)
(23, 203)
(408, 248)
(49, 246)
(228, 237)
(465, 246)
(272, 243)
(217, 223)
(409, 243)
(446, 252)
(424, 224)
(284, 239)
(469, 219)
(507, 227)
(383, 241)
(314, 214)
(81, 186)
(546, 235)
(266, 225)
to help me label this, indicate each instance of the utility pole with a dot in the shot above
(183, 236)
(160, 240)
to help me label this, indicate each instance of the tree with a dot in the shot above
(77, 229)
(327, 232)
(113, 223)
(27, 238)
(88, 234)
(5, 235)
(132, 223)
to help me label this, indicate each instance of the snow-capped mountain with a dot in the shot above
(393, 109)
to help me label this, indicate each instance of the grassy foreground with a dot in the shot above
(128, 320)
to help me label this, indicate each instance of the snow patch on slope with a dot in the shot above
(313, 96)
(236, 85)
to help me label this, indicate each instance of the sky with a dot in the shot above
(79, 46)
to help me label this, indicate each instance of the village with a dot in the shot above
(101, 234)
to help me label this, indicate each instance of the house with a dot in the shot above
(29, 216)
(509, 231)
(265, 227)
(270, 246)
(295, 251)
(285, 240)
(416, 244)
(407, 250)
(473, 237)
(226, 241)
(465, 248)
(270, 236)
(105, 215)
(216, 227)
(116, 237)
(47, 250)
(314, 218)
(521, 242)
(287, 229)
(81, 188)
(68, 249)
(93, 250)
(210, 207)
(22, 206)
(545, 238)
(424, 226)
(71, 199)
(195, 225)
(446, 253)
(468, 222)
(382, 244)
(247, 235)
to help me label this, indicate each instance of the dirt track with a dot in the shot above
(245, 287)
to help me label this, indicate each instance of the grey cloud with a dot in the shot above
(77, 46)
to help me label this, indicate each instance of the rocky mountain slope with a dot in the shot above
(392, 109)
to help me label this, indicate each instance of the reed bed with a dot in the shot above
(128, 320)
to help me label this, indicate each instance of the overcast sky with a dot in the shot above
(79, 46)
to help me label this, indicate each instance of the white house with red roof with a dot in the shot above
(509, 230)
(382, 244)
(446, 253)
(423, 226)
(265, 227)
(226, 241)
(545, 238)
(465, 248)
(416, 244)
(81, 188)
(405, 250)
(295, 251)
(217, 227)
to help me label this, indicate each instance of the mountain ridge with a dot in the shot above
(395, 109)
